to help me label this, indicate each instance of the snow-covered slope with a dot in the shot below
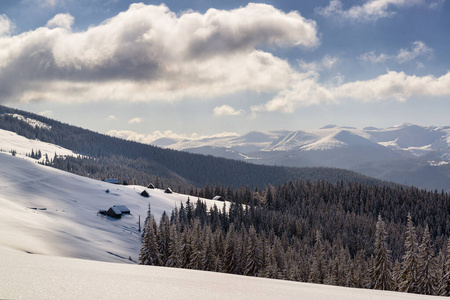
(12, 141)
(27, 276)
(48, 211)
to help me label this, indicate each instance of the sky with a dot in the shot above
(201, 68)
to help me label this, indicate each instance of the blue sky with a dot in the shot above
(200, 68)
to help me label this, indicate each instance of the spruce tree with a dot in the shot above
(149, 254)
(174, 259)
(410, 265)
(445, 283)
(427, 266)
(382, 265)
(253, 254)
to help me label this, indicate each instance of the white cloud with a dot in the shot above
(61, 20)
(371, 10)
(226, 110)
(150, 53)
(374, 58)
(418, 49)
(327, 63)
(392, 86)
(111, 118)
(136, 120)
(149, 138)
(6, 26)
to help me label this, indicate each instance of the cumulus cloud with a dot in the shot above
(111, 118)
(150, 53)
(6, 26)
(155, 135)
(371, 10)
(226, 110)
(61, 20)
(374, 58)
(418, 49)
(392, 86)
(327, 63)
(136, 120)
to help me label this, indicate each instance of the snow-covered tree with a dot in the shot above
(382, 265)
(427, 266)
(174, 259)
(253, 254)
(149, 254)
(445, 283)
(410, 266)
(317, 264)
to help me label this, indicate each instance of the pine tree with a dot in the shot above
(445, 284)
(410, 265)
(149, 254)
(396, 275)
(382, 265)
(253, 254)
(317, 265)
(164, 238)
(230, 263)
(174, 259)
(427, 266)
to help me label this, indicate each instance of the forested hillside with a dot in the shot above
(105, 156)
(338, 234)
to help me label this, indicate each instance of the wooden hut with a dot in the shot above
(168, 191)
(114, 212)
(145, 194)
(123, 209)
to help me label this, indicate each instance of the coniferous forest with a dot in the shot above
(349, 235)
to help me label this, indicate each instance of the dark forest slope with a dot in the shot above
(140, 162)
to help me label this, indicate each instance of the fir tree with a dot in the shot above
(253, 254)
(427, 266)
(174, 259)
(149, 254)
(410, 265)
(445, 283)
(382, 265)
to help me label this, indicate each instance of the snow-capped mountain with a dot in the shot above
(400, 153)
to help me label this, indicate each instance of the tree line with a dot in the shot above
(350, 235)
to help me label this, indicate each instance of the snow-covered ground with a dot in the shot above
(12, 141)
(54, 245)
(31, 276)
(48, 211)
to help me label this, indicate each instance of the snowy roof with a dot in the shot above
(111, 180)
(121, 208)
(218, 198)
(116, 210)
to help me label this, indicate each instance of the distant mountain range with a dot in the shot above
(407, 154)
(102, 156)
